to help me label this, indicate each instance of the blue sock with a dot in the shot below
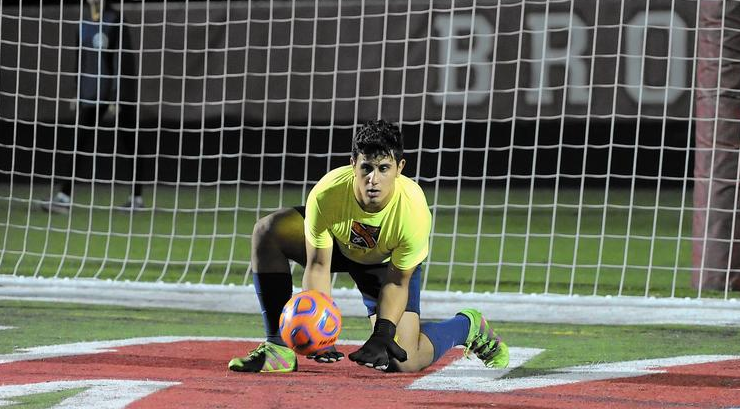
(273, 291)
(446, 334)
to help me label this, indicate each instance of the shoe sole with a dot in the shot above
(53, 209)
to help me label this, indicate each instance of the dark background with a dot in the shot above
(198, 136)
(194, 155)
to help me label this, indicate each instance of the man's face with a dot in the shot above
(375, 180)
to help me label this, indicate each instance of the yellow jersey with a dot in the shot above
(398, 234)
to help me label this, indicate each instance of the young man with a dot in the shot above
(369, 220)
(103, 41)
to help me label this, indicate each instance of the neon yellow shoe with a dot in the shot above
(482, 341)
(267, 357)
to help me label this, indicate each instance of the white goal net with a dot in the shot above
(553, 139)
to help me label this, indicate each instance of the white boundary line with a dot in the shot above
(97, 393)
(99, 347)
(462, 375)
(470, 375)
(435, 305)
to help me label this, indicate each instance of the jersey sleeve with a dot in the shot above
(412, 250)
(315, 225)
(413, 247)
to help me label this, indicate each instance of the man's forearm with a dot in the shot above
(392, 302)
(317, 278)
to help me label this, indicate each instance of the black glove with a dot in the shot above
(381, 346)
(326, 355)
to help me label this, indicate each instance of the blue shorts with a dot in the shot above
(369, 282)
(370, 277)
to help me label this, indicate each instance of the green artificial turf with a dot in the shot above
(564, 242)
(42, 323)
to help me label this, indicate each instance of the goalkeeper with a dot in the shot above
(370, 221)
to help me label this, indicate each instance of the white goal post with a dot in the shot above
(553, 139)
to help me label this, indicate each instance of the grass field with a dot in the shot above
(26, 324)
(40, 323)
(626, 243)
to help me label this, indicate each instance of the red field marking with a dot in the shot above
(200, 367)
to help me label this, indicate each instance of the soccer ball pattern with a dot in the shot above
(310, 322)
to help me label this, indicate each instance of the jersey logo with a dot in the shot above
(363, 235)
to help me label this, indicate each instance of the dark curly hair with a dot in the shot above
(378, 138)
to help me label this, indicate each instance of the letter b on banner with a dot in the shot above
(464, 47)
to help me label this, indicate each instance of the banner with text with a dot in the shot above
(332, 62)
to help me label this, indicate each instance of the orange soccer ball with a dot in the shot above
(310, 322)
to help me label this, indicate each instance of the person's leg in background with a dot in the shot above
(71, 164)
(129, 141)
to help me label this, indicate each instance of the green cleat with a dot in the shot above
(267, 357)
(484, 342)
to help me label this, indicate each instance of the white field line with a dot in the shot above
(97, 393)
(97, 347)
(462, 375)
(601, 310)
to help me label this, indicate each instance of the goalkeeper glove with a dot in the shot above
(326, 355)
(380, 347)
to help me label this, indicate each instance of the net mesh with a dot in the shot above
(552, 138)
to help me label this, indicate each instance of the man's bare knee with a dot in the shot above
(264, 230)
(277, 238)
(407, 366)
